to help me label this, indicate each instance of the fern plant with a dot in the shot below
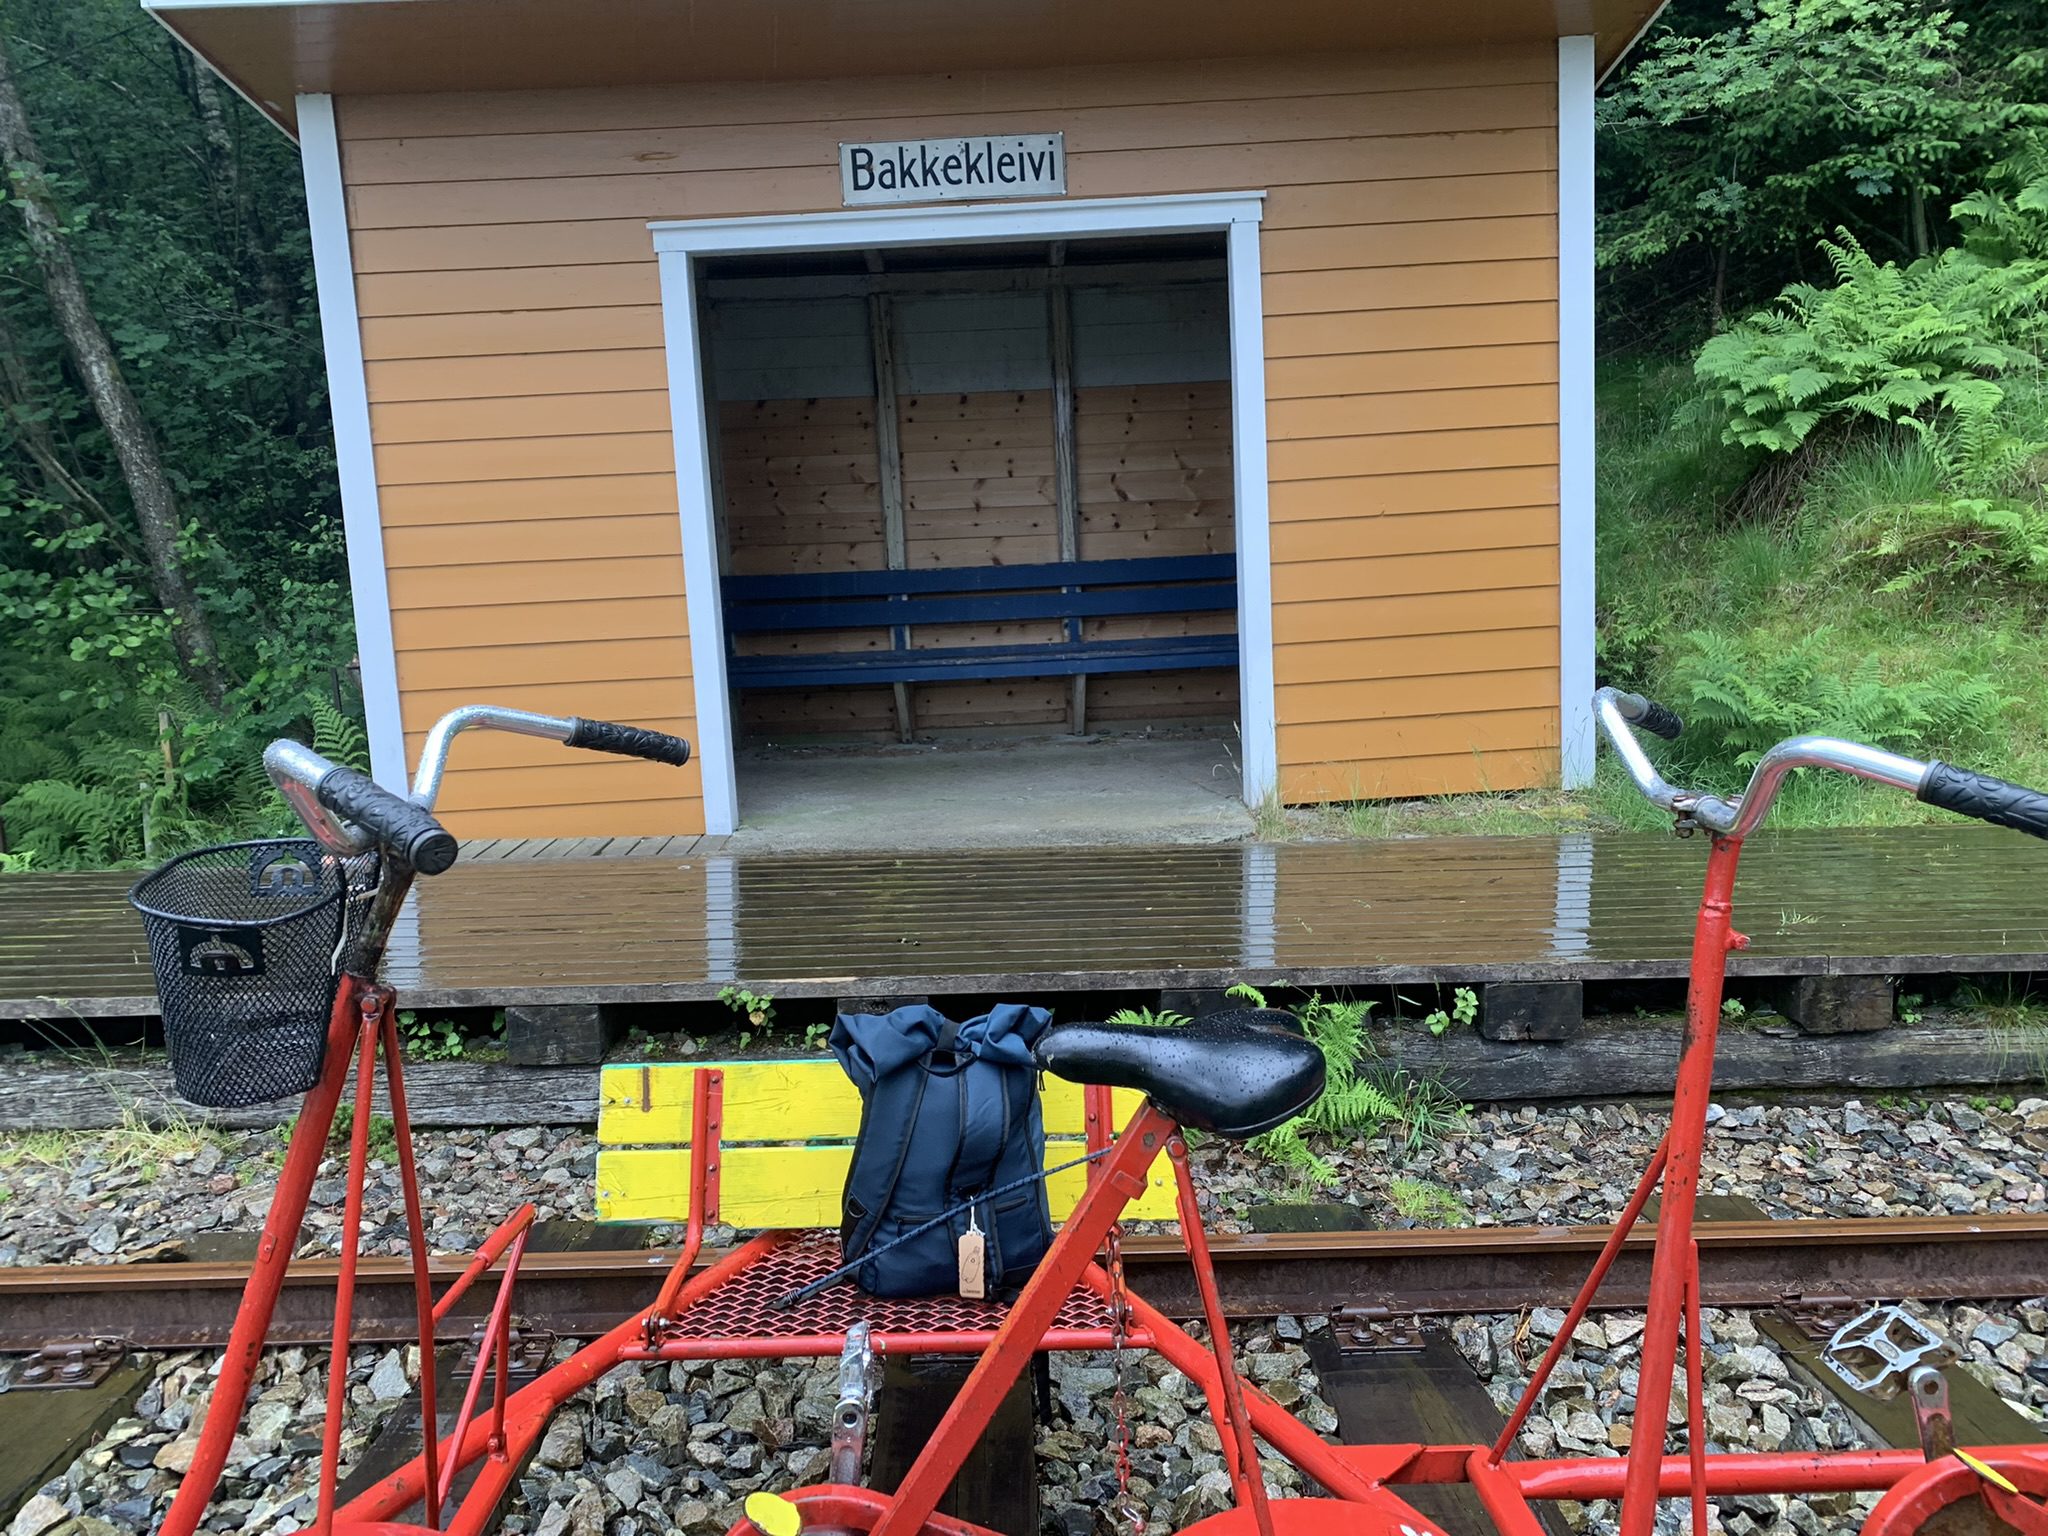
(97, 824)
(1744, 695)
(338, 738)
(1164, 1018)
(1354, 1102)
(1964, 540)
(1885, 343)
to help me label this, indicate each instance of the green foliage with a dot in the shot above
(1427, 1204)
(382, 1140)
(1163, 1018)
(99, 768)
(1361, 1096)
(1912, 346)
(338, 738)
(429, 1039)
(2006, 219)
(1963, 540)
(1743, 696)
(1464, 1010)
(186, 220)
(53, 815)
(1739, 133)
(757, 1009)
(444, 1039)
(1876, 601)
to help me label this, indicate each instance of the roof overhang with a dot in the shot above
(271, 50)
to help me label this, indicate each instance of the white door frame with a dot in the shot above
(679, 243)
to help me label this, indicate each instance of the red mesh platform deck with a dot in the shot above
(742, 1313)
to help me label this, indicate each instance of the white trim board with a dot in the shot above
(348, 401)
(679, 243)
(1575, 408)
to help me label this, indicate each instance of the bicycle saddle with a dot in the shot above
(1236, 1074)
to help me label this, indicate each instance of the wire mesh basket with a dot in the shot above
(245, 940)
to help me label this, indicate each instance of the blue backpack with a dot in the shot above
(949, 1112)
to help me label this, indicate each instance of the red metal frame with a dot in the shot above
(719, 1313)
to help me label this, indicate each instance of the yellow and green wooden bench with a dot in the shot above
(785, 1138)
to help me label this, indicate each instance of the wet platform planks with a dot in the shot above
(587, 926)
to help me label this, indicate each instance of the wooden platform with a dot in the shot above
(509, 929)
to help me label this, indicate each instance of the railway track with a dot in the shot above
(1744, 1263)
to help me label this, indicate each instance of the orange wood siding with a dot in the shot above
(512, 327)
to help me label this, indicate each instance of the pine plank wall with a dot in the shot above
(971, 375)
(512, 330)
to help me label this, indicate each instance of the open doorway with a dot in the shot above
(975, 518)
(985, 420)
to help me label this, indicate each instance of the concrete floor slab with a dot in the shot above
(1039, 792)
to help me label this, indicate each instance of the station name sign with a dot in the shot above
(924, 170)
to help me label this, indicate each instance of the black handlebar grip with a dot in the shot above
(629, 741)
(408, 830)
(1659, 721)
(1986, 798)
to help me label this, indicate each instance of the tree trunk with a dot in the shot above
(1718, 301)
(1917, 210)
(156, 507)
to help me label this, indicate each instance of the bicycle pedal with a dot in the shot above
(1880, 1347)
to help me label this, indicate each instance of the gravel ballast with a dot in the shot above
(659, 1448)
(93, 1198)
(664, 1448)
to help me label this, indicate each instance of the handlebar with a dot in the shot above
(1988, 799)
(1650, 715)
(597, 735)
(1935, 783)
(350, 814)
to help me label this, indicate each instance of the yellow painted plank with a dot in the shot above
(777, 1101)
(682, 816)
(539, 791)
(650, 150)
(1426, 613)
(806, 187)
(1353, 701)
(1451, 773)
(1007, 92)
(1391, 742)
(802, 1186)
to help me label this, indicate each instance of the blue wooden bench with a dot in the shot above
(903, 601)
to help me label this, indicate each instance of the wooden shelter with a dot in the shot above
(905, 367)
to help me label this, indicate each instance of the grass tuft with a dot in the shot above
(138, 1144)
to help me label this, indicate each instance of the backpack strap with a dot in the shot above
(886, 1123)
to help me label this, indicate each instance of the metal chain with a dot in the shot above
(1125, 1506)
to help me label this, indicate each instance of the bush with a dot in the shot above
(1739, 695)
(1897, 345)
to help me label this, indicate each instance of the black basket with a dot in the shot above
(244, 939)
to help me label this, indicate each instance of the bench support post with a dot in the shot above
(889, 471)
(1837, 1005)
(561, 1034)
(1531, 1010)
(1066, 464)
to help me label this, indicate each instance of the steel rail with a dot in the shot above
(1415, 1272)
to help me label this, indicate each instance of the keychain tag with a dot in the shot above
(973, 1260)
